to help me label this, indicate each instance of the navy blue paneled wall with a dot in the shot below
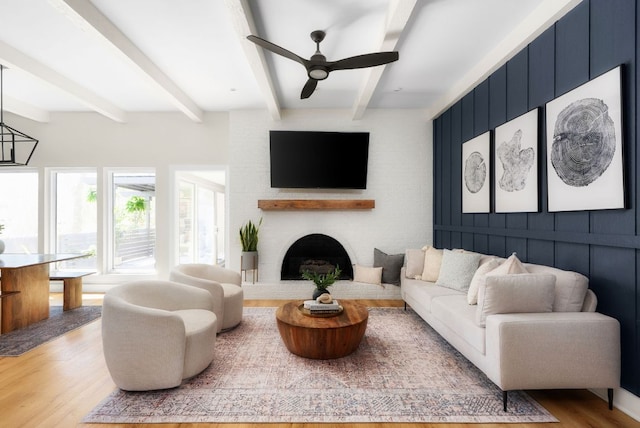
(593, 38)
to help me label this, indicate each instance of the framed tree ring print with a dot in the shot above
(584, 146)
(475, 174)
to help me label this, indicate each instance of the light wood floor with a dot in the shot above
(58, 383)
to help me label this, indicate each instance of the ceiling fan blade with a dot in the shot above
(308, 88)
(276, 49)
(363, 61)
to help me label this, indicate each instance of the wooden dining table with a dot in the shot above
(24, 288)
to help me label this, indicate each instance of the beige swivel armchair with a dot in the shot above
(157, 333)
(223, 284)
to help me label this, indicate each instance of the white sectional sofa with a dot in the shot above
(533, 326)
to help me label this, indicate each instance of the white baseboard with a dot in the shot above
(623, 400)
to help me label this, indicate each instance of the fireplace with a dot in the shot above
(317, 252)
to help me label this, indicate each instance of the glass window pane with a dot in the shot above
(201, 233)
(134, 225)
(76, 218)
(206, 226)
(186, 221)
(19, 211)
(220, 229)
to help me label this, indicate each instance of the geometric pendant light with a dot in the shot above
(16, 148)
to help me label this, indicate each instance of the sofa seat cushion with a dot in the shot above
(571, 287)
(233, 306)
(196, 320)
(201, 327)
(425, 292)
(460, 317)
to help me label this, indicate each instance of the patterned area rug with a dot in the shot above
(59, 322)
(403, 371)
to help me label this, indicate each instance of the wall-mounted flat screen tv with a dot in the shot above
(319, 160)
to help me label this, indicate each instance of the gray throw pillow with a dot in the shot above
(457, 269)
(390, 264)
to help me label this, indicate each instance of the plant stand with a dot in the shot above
(249, 261)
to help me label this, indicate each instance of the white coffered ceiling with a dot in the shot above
(120, 56)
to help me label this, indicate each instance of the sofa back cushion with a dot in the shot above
(414, 261)
(479, 278)
(457, 270)
(432, 263)
(515, 293)
(571, 287)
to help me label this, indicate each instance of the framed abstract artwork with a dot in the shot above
(516, 165)
(584, 147)
(475, 174)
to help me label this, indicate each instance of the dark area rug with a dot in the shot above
(59, 322)
(403, 371)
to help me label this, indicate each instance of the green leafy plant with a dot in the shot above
(136, 204)
(249, 236)
(322, 280)
(92, 196)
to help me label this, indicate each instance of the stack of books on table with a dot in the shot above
(315, 307)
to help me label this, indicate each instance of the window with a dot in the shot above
(75, 217)
(201, 219)
(206, 223)
(19, 211)
(133, 222)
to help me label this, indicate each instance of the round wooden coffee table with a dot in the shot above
(322, 338)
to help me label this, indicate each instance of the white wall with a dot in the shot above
(155, 140)
(146, 139)
(399, 180)
(399, 173)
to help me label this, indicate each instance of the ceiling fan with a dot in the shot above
(318, 68)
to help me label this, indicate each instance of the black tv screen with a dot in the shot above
(319, 160)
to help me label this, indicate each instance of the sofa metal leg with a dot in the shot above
(405, 306)
(610, 396)
(504, 401)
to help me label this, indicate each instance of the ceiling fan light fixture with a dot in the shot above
(317, 67)
(318, 73)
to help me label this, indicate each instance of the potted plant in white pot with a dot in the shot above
(322, 280)
(249, 241)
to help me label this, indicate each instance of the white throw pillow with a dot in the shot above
(415, 263)
(517, 293)
(370, 275)
(457, 269)
(510, 266)
(432, 263)
(479, 278)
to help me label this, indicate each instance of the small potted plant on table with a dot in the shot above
(322, 280)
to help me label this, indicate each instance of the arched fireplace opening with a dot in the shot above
(317, 252)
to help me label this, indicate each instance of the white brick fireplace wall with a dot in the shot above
(399, 180)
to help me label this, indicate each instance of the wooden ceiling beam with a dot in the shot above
(242, 18)
(23, 109)
(12, 58)
(90, 19)
(398, 15)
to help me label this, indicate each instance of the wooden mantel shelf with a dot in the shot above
(316, 204)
